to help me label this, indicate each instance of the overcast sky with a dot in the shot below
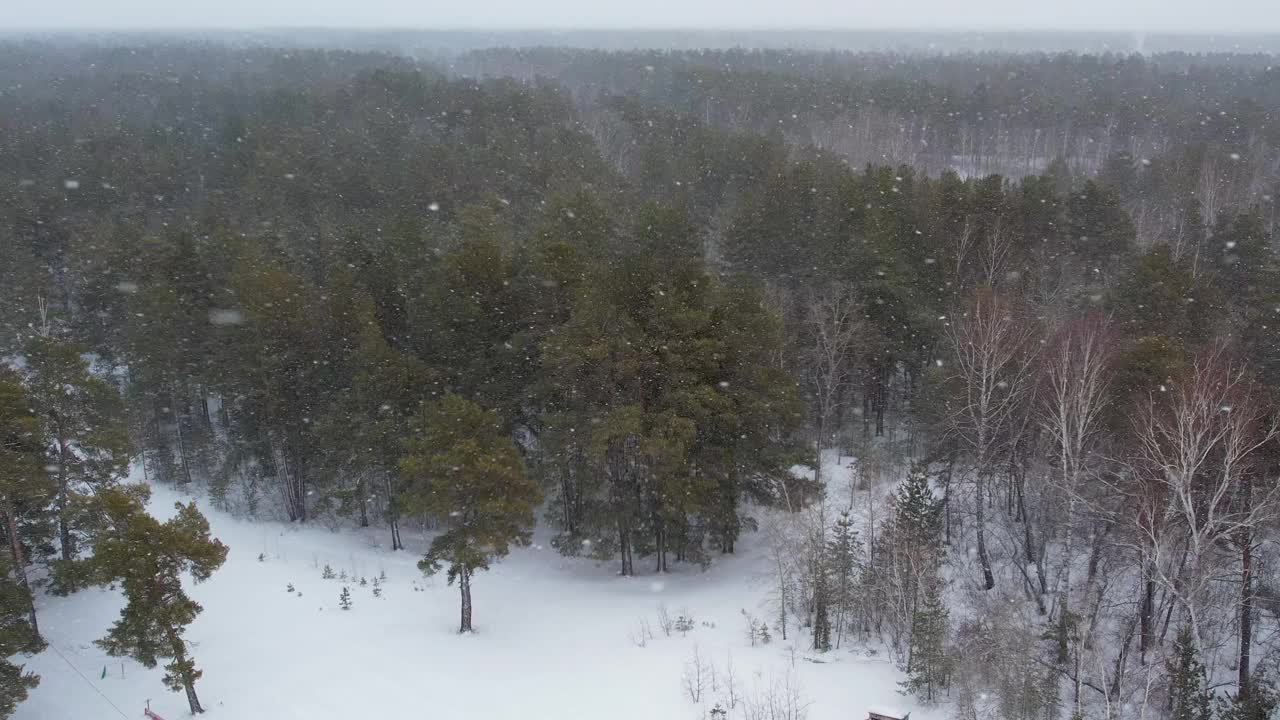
(1149, 15)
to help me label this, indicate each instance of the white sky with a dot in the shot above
(1127, 15)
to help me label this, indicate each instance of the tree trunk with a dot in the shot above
(20, 566)
(1030, 551)
(64, 530)
(464, 584)
(624, 551)
(880, 401)
(363, 500)
(946, 501)
(866, 411)
(1145, 609)
(988, 579)
(1246, 614)
(393, 514)
(192, 700)
(294, 488)
(660, 543)
(182, 444)
(188, 683)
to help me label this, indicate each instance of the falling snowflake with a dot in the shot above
(225, 317)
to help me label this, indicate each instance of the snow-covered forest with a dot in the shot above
(556, 382)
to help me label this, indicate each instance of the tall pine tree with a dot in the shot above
(84, 429)
(148, 558)
(17, 637)
(464, 471)
(25, 487)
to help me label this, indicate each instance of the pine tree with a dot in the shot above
(916, 513)
(17, 637)
(821, 613)
(327, 573)
(1188, 696)
(1099, 229)
(344, 599)
(464, 470)
(1258, 703)
(148, 559)
(928, 665)
(84, 428)
(905, 559)
(24, 485)
(844, 551)
(665, 403)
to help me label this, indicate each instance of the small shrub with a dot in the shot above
(684, 624)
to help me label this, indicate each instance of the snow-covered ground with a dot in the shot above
(556, 638)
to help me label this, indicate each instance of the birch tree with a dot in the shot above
(990, 379)
(834, 320)
(1197, 447)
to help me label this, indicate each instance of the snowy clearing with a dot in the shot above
(556, 638)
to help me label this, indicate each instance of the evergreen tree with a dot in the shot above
(844, 552)
(1099, 230)
(476, 314)
(916, 515)
(281, 355)
(821, 610)
(464, 471)
(148, 558)
(905, 562)
(1188, 695)
(928, 663)
(366, 426)
(84, 429)
(664, 403)
(1258, 703)
(17, 637)
(25, 487)
(1160, 296)
(344, 599)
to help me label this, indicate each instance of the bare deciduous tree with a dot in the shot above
(990, 374)
(833, 323)
(780, 699)
(1196, 449)
(696, 673)
(1074, 373)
